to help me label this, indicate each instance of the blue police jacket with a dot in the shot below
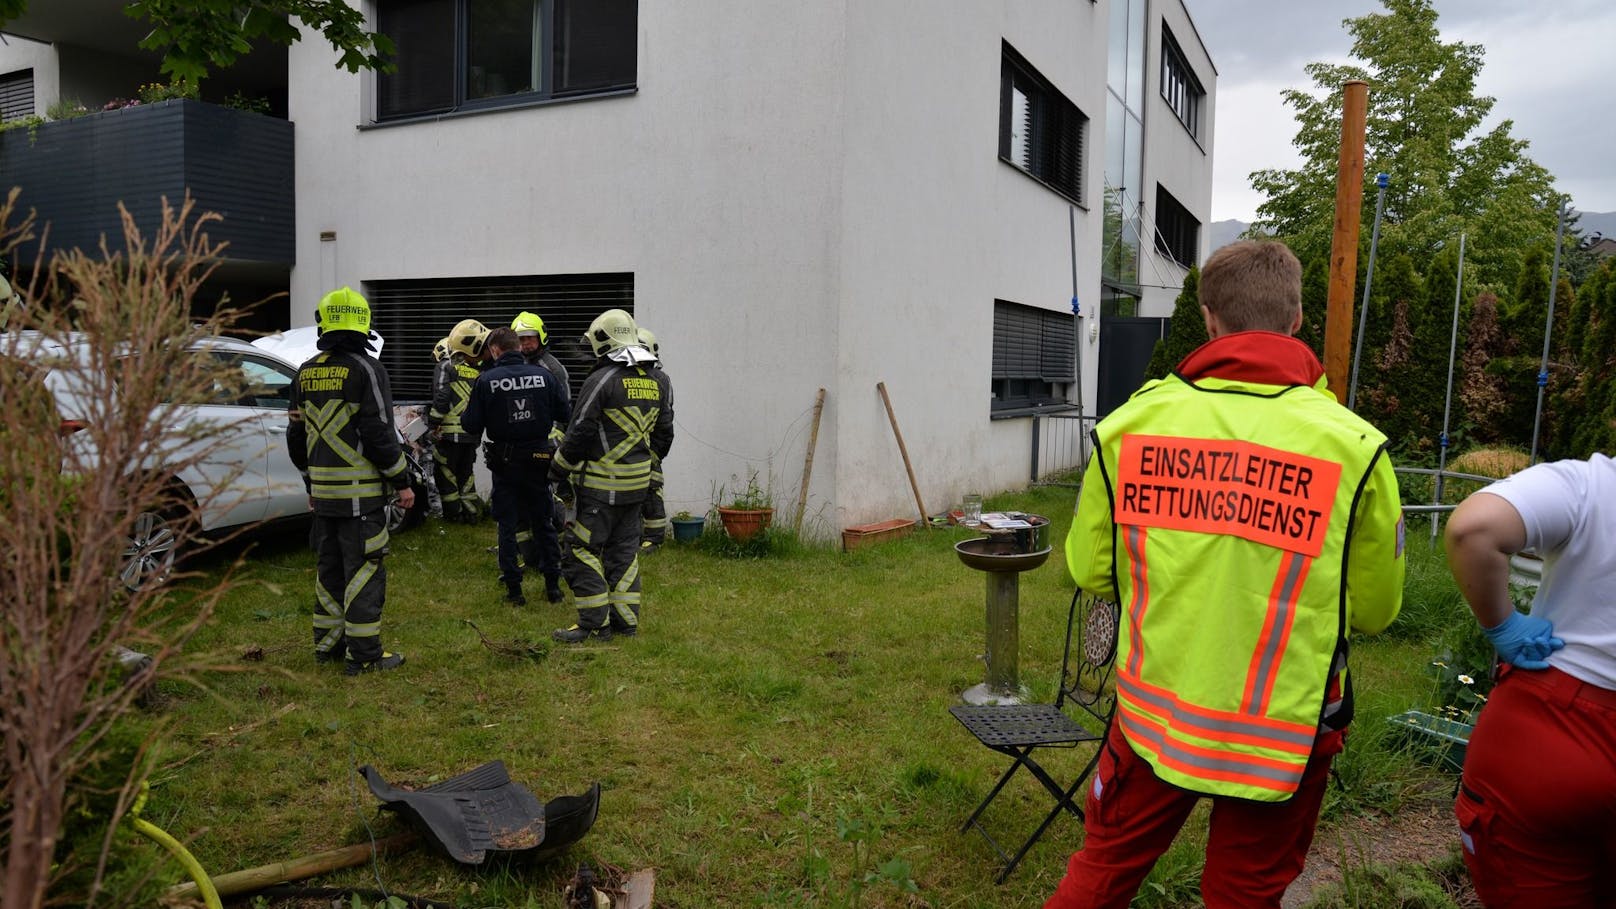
(517, 404)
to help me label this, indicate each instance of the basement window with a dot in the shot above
(1034, 351)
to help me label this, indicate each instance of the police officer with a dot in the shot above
(455, 450)
(621, 423)
(340, 434)
(654, 515)
(517, 404)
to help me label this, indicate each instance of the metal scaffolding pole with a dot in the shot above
(1447, 404)
(1548, 331)
(1381, 180)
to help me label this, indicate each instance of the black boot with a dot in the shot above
(552, 589)
(513, 593)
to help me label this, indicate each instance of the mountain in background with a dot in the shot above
(1222, 233)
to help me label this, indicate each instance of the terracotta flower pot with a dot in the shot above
(743, 524)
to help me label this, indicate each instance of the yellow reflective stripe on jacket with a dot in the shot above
(609, 473)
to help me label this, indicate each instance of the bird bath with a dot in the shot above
(1002, 562)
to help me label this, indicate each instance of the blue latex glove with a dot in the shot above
(1524, 641)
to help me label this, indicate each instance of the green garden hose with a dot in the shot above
(151, 831)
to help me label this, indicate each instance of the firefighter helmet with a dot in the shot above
(342, 310)
(648, 341)
(468, 337)
(527, 323)
(612, 330)
(440, 349)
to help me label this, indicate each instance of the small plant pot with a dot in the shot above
(743, 524)
(1442, 741)
(688, 530)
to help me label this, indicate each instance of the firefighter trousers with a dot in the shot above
(350, 584)
(452, 463)
(601, 559)
(654, 514)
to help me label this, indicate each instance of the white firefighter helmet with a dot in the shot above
(649, 342)
(612, 330)
(440, 349)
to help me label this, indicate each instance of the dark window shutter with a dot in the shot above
(413, 315)
(596, 42)
(17, 95)
(423, 33)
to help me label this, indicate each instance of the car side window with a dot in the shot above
(265, 383)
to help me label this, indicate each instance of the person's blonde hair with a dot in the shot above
(1253, 285)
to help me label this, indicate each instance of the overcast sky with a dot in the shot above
(1547, 64)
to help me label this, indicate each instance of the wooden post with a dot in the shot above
(808, 462)
(251, 879)
(925, 519)
(1344, 242)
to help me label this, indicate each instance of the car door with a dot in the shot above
(223, 451)
(268, 390)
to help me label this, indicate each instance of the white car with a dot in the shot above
(244, 476)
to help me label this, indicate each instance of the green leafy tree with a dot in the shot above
(1185, 331)
(1424, 121)
(197, 36)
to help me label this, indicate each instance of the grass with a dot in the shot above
(777, 735)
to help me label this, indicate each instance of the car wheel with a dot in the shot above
(152, 550)
(400, 519)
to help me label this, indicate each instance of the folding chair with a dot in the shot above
(1081, 714)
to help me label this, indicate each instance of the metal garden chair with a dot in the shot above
(1080, 715)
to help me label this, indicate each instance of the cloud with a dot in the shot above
(1543, 64)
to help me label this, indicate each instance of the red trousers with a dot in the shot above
(1537, 807)
(1253, 851)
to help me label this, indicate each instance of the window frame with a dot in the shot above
(1181, 88)
(1056, 134)
(1022, 333)
(1178, 231)
(460, 104)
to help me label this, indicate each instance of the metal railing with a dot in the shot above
(1060, 448)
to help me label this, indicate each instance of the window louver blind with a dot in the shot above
(413, 315)
(17, 95)
(1032, 343)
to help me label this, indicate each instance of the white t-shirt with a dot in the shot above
(1569, 508)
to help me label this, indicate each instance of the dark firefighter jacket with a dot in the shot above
(451, 388)
(622, 423)
(340, 431)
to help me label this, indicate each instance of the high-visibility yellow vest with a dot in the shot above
(1220, 514)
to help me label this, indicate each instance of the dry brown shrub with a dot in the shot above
(66, 513)
(1496, 463)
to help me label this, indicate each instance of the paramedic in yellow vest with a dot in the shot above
(1245, 523)
(340, 434)
(454, 450)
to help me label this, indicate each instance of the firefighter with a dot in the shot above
(621, 422)
(543, 547)
(340, 434)
(429, 449)
(455, 450)
(1246, 523)
(654, 516)
(517, 404)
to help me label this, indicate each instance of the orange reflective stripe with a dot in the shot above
(1217, 725)
(1276, 633)
(1134, 539)
(1207, 764)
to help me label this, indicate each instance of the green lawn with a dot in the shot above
(775, 715)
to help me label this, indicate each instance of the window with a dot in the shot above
(1178, 234)
(1033, 353)
(454, 55)
(412, 315)
(1179, 87)
(1039, 130)
(17, 95)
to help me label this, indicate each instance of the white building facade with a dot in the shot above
(793, 197)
